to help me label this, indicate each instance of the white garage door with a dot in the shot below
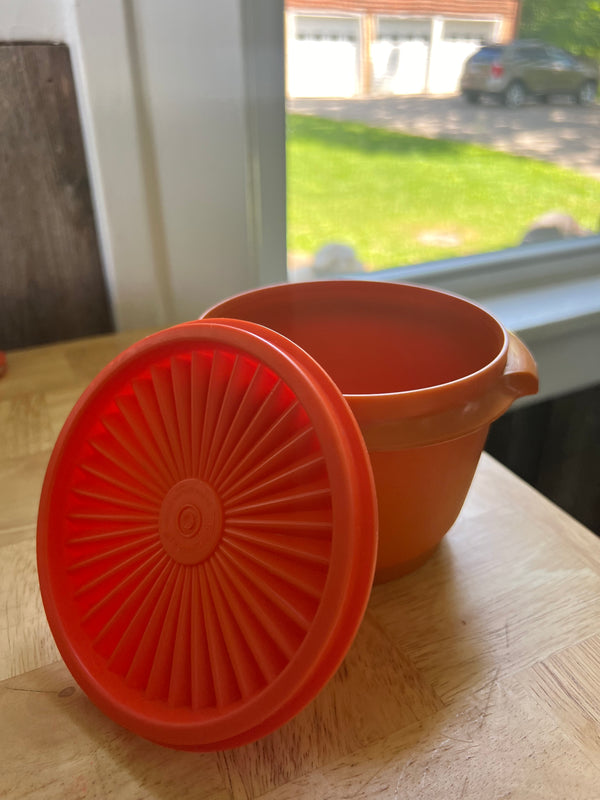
(323, 57)
(399, 55)
(460, 39)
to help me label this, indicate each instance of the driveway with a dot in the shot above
(561, 132)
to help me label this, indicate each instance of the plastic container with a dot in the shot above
(207, 530)
(424, 372)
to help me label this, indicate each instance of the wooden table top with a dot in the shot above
(477, 676)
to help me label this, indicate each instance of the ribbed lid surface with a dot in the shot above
(207, 534)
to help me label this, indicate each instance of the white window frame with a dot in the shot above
(159, 271)
(549, 293)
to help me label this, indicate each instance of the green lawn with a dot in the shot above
(400, 199)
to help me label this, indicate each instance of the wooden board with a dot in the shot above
(51, 281)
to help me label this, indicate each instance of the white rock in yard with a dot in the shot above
(330, 261)
(553, 225)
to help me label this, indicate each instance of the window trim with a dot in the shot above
(149, 283)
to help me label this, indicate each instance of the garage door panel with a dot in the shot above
(460, 39)
(323, 57)
(399, 56)
(399, 68)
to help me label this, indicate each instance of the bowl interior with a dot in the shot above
(376, 337)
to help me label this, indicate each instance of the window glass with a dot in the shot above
(408, 141)
(486, 55)
(534, 54)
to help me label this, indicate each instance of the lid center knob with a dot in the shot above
(190, 522)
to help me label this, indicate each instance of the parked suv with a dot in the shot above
(524, 68)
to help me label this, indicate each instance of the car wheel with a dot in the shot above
(471, 96)
(514, 96)
(586, 93)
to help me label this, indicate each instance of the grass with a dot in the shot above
(400, 199)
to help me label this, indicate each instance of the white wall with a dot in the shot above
(32, 20)
(189, 72)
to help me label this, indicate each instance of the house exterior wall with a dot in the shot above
(435, 68)
(506, 9)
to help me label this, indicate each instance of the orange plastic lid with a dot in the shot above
(207, 534)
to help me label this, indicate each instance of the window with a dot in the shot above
(408, 181)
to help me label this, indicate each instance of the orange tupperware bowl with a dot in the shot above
(425, 372)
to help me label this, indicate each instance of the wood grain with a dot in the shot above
(51, 285)
(567, 685)
(476, 677)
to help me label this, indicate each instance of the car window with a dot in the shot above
(560, 57)
(486, 55)
(534, 54)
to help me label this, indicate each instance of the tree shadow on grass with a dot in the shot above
(560, 133)
(353, 135)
